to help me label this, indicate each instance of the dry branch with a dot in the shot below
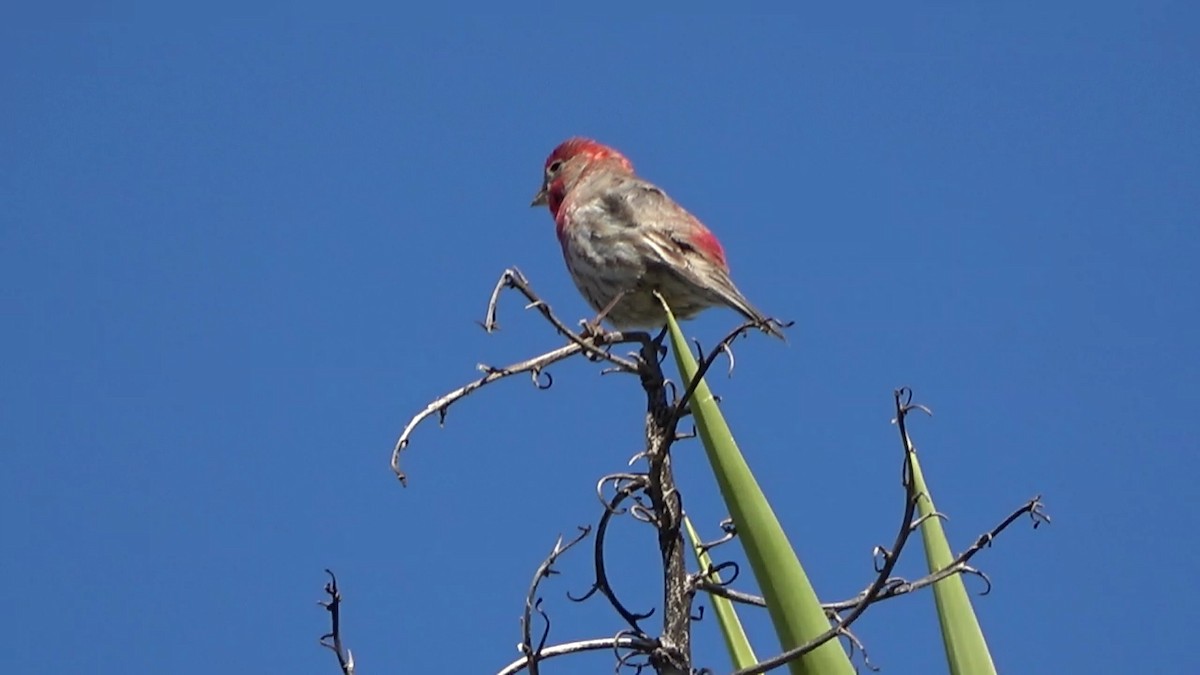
(333, 639)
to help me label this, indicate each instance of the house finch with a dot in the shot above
(623, 238)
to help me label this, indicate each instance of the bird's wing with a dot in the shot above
(662, 219)
(680, 241)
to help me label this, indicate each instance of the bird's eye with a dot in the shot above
(554, 167)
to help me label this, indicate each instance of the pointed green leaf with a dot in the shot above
(741, 654)
(966, 649)
(793, 605)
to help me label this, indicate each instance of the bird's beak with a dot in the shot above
(540, 198)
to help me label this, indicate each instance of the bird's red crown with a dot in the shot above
(575, 147)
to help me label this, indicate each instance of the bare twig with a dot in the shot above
(730, 531)
(665, 511)
(672, 652)
(601, 585)
(715, 588)
(723, 347)
(623, 641)
(885, 586)
(333, 639)
(512, 278)
(903, 400)
(854, 643)
(593, 346)
(533, 603)
(443, 403)
(623, 482)
(895, 586)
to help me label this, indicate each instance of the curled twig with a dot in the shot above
(490, 324)
(537, 374)
(443, 403)
(895, 586)
(903, 402)
(591, 344)
(728, 352)
(723, 347)
(880, 557)
(644, 514)
(622, 641)
(621, 483)
(601, 584)
(967, 569)
(685, 435)
(625, 660)
(534, 603)
(594, 346)
(730, 532)
(714, 571)
(333, 639)
(932, 514)
(854, 642)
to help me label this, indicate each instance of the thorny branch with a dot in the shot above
(441, 406)
(534, 603)
(594, 346)
(895, 586)
(626, 488)
(706, 362)
(622, 641)
(514, 279)
(730, 532)
(672, 650)
(333, 639)
(884, 586)
(903, 399)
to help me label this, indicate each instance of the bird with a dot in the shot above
(623, 240)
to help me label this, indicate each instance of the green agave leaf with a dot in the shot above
(741, 654)
(966, 649)
(793, 605)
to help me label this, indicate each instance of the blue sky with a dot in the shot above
(237, 256)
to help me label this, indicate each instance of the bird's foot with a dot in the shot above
(592, 330)
(593, 327)
(774, 327)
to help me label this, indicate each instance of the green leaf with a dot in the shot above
(741, 654)
(966, 649)
(793, 605)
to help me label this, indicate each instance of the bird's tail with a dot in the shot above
(732, 297)
(768, 325)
